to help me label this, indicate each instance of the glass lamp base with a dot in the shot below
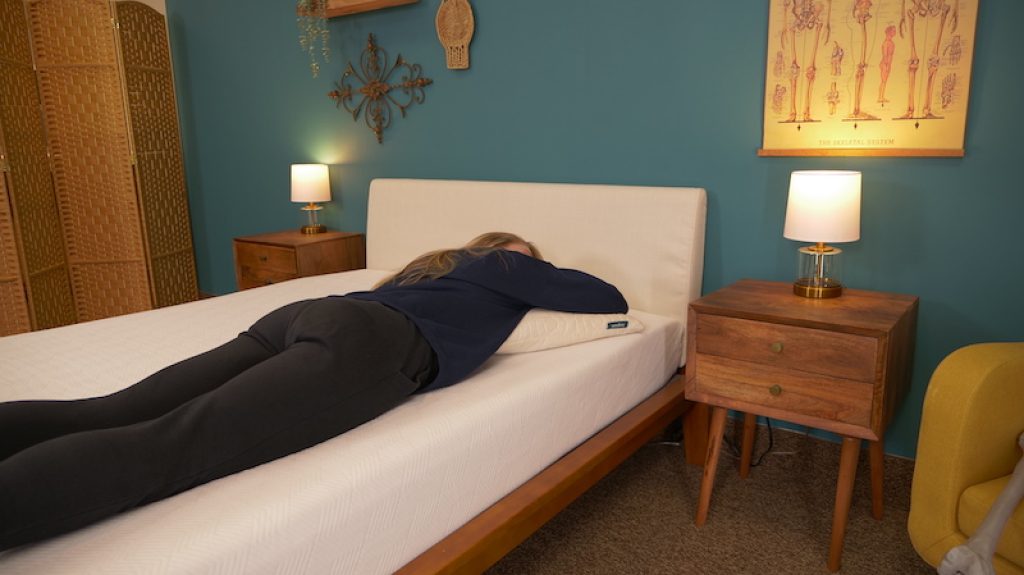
(313, 226)
(818, 268)
(817, 289)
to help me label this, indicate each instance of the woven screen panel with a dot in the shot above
(143, 33)
(13, 308)
(161, 178)
(46, 283)
(115, 288)
(72, 32)
(20, 93)
(175, 278)
(10, 266)
(91, 163)
(14, 44)
(13, 303)
(10, 262)
(159, 164)
(32, 193)
(31, 186)
(151, 108)
(52, 303)
(85, 118)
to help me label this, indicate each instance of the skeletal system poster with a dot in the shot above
(868, 77)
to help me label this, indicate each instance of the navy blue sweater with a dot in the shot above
(467, 314)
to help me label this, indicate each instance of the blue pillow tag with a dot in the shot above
(618, 324)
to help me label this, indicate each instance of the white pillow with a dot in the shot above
(544, 329)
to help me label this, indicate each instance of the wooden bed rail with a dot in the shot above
(500, 528)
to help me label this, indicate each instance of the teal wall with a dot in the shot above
(653, 92)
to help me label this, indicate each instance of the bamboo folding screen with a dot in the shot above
(107, 106)
(35, 289)
(160, 171)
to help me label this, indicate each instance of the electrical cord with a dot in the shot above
(673, 436)
(735, 450)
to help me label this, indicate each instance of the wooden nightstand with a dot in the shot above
(275, 257)
(842, 365)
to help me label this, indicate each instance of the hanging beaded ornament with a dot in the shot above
(312, 21)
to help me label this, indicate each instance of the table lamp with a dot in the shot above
(823, 206)
(311, 183)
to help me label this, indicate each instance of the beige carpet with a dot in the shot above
(639, 519)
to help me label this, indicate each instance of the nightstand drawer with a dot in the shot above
(814, 351)
(264, 257)
(798, 393)
(278, 256)
(250, 277)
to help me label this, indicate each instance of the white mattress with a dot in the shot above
(365, 502)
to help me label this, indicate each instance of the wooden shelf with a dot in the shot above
(345, 7)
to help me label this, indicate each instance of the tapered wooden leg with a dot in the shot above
(695, 433)
(844, 493)
(747, 451)
(707, 482)
(877, 453)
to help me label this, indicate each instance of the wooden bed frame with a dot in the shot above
(490, 535)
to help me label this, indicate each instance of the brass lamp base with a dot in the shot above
(817, 289)
(317, 229)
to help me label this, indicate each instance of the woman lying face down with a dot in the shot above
(302, 374)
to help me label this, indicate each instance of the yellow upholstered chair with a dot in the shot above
(967, 450)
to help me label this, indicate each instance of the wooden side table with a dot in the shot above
(841, 365)
(278, 256)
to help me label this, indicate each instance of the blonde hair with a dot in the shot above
(437, 263)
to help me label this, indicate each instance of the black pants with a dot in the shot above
(299, 376)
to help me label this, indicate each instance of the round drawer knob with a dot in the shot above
(263, 258)
(775, 390)
(777, 347)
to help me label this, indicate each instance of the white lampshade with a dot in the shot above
(823, 206)
(310, 183)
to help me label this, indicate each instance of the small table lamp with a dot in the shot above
(311, 183)
(823, 206)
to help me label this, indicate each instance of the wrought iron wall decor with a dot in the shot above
(377, 93)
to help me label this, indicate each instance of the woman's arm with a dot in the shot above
(539, 284)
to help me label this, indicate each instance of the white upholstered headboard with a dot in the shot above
(647, 241)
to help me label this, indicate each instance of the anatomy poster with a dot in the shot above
(868, 77)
